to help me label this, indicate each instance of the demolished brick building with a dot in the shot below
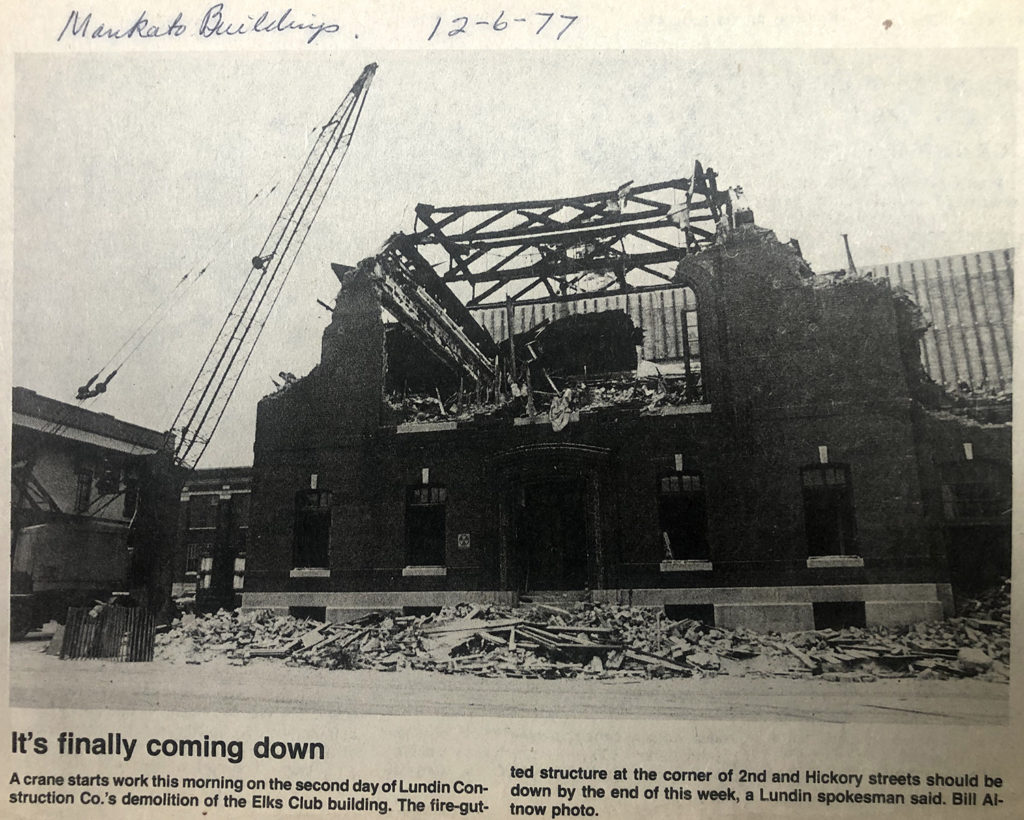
(761, 455)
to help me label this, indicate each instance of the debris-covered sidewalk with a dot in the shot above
(601, 641)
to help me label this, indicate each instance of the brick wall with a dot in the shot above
(790, 368)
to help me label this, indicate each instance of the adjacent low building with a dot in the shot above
(87, 508)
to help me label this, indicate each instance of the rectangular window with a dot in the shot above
(690, 332)
(194, 554)
(205, 571)
(311, 547)
(239, 579)
(83, 491)
(969, 500)
(202, 512)
(241, 508)
(828, 509)
(975, 490)
(425, 525)
(682, 516)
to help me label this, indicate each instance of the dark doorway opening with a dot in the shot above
(551, 536)
(309, 613)
(979, 555)
(839, 614)
(705, 613)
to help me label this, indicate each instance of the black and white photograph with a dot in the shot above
(607, 385)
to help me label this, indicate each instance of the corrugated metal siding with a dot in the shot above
(968, 299)
(659, 313)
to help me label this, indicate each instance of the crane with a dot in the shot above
(218, 376)
(215, 381)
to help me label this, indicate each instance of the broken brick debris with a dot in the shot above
(601, 641)
(647, 394)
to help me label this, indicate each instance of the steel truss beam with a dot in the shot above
(423, 303)
(608, 242)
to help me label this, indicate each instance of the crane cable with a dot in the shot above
(200, 402)
(160, 312)
(163, 309)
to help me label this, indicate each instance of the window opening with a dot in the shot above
(682, 516)
(193, 554)
(426, 506)
(975, 490)
(202, 511)
(238, 582)
(312, 529)
(689, 333)
(828, 509)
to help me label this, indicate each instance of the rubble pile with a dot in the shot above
(646, 394)
(415, 407)
(601, 641)
(991, 605)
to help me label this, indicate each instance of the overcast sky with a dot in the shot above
(132, 170)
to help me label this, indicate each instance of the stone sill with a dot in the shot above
(310, 572)
(686, 566)
(834, 561)
(680, 410)
(426, 426)
(409, 572)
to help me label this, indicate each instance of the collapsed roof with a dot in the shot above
(503, 253)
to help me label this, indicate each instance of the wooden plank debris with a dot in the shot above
(586, 639)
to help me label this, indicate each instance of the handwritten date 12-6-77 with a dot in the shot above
(541, 22)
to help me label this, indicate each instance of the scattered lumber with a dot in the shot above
(601, 641)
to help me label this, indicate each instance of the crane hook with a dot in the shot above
(87, 391)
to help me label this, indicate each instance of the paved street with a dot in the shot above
(43, 681)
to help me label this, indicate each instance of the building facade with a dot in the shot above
(213, 528)
(769, 465)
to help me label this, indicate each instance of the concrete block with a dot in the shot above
(764, 617)
(274, 610)
(834, 561)
(425, 571)
(686, 565)
(901, 613)
(341, 615)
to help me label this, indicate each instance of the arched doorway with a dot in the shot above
(551, 517)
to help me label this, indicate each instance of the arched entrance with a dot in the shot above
(551, 517)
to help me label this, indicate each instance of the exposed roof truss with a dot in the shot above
(608, 242)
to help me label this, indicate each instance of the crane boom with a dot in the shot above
(218, 376)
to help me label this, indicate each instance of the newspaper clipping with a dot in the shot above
(599, 410)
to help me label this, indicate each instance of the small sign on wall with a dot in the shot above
(464, 541)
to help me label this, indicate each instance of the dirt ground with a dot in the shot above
(43, 681)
